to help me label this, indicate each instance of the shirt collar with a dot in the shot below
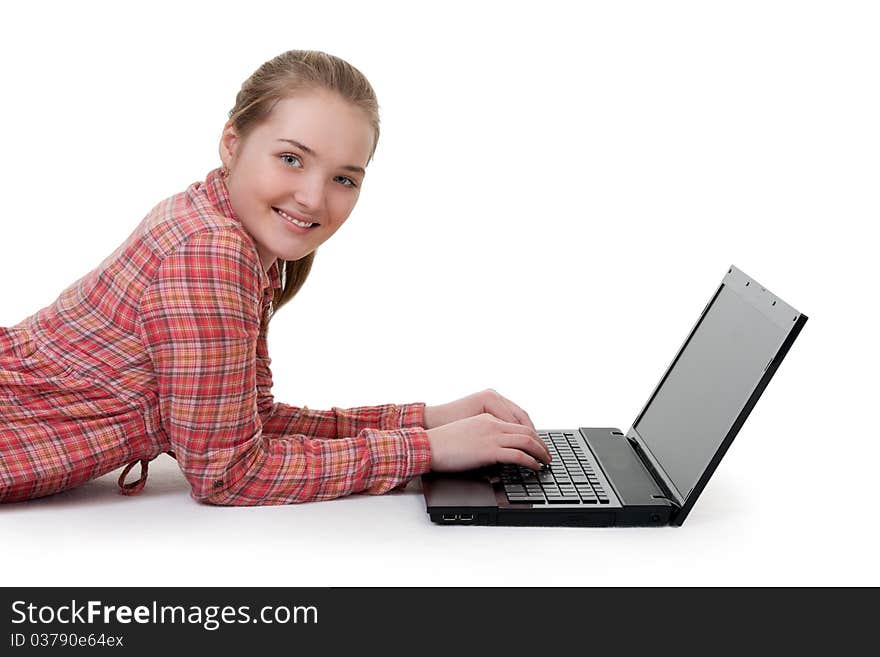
(218, 195)
(275, 274)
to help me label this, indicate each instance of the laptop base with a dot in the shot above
(477, 498)
(630, 517)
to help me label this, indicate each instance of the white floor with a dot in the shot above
(94, 536)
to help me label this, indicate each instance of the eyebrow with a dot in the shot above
(347, 167)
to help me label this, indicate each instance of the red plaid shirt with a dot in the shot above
(162, 348)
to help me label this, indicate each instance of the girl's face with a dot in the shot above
(308, 161)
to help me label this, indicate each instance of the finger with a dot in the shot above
(520, 415)
(511, 412)
(514, 427)
(498, 406)
(535, 448)
(508, 455)
(543, 453)
(511, 428)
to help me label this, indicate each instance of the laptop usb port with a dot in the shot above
(449, 517)
(467, 517)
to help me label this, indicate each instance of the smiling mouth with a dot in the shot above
(294, 220)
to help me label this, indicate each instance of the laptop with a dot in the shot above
(652, 474)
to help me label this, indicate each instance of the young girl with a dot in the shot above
(162, 348)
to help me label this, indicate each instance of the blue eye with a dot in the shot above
(349, 182)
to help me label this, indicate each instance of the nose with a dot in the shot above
(309, 193)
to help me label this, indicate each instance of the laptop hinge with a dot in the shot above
(667, 494)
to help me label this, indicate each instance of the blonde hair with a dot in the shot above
(279, 78)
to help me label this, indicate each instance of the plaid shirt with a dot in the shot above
(162, 349)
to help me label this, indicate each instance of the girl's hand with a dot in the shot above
(484, 440)
(485, 401)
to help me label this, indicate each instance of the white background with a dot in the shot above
(558, 189)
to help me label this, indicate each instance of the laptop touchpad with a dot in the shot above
(458, 489)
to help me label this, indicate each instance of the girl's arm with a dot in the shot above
(281, 419)
(200, 322)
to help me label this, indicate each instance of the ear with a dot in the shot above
(229, 144)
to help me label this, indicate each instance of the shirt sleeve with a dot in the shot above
(200, 323)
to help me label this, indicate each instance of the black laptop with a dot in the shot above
(653, 473)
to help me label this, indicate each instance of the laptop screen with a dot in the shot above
(707, 386)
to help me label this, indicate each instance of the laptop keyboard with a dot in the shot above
(569, 479)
